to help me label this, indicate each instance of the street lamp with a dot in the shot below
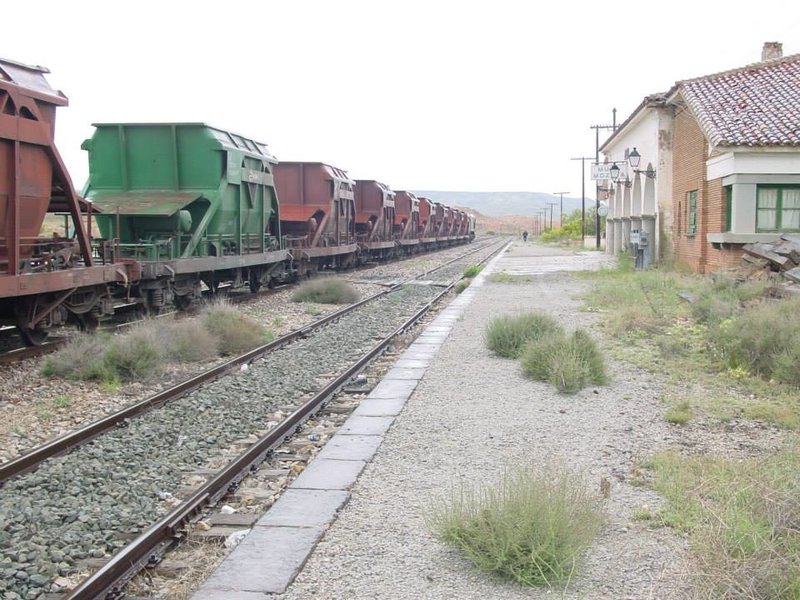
(634, 158)
(615, 173)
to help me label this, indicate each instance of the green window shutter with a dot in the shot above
(691, 228)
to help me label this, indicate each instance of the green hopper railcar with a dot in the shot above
(188, 203)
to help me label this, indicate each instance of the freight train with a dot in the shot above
(180, 207)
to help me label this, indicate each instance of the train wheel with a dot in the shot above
(33, 337)
(87, 322)
(184, 302)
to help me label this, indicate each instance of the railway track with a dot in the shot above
(269, 387)
(19, 352)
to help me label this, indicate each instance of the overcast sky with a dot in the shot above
(477, 96)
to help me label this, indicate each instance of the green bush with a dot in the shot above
(472, 271)
(569, 363)
(567, 372)
(507, 335)
(461, 285)
(326, 291)
(235, 333)
(537, 356)
(679, 413)
(135, 355)
(764, 340)
(531, 528)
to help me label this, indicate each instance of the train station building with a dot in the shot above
(709, 165)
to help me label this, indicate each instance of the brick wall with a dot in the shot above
(688, 174)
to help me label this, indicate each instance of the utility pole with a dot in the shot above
(597, 128)
(561, 213)
(552, 204)
(583, 160)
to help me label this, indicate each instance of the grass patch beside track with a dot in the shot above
(143, 351)
(326, 291)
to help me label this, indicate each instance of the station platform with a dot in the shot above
(353, 524)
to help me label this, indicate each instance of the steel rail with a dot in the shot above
(108, 582)
(66, 442)
(60, 445)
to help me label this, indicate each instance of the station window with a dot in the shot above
(691, 220)
(728, 191)
(778, 208)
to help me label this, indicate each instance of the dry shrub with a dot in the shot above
(188, 341)
(137, 354)
(235, 333)
(326, 291)
(82, 358)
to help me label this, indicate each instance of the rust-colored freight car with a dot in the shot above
(48, 279)
(375, 211)
(318, 213)
(406, 221)
(427, 214)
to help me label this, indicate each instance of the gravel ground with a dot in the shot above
(34, 409)
(472, 415)
(88, 503)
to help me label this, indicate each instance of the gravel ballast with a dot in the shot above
(473, 415)
(89, 503)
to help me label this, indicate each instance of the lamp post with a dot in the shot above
(561, 210)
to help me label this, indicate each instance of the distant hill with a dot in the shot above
(504, 204)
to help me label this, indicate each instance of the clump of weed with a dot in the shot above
(461, 285)
(679, 413)
(235, 333)
(326, 291)
(188, 341)
(82, 358)
(471, 271)
(570, 363)
(529, 527)
(507, 335)
(135, 355)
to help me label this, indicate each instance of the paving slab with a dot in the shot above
(225, 594)
(328, 474)
(250, 569)
(413, 363)
(393, 388)
(304, 508)
(357, 425)
(418, 353)
(380, 407)
(405, 373)
(351, 447)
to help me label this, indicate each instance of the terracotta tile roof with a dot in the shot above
(756, 105)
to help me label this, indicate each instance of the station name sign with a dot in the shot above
(601, 171)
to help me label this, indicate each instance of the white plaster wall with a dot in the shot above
(766, 162)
